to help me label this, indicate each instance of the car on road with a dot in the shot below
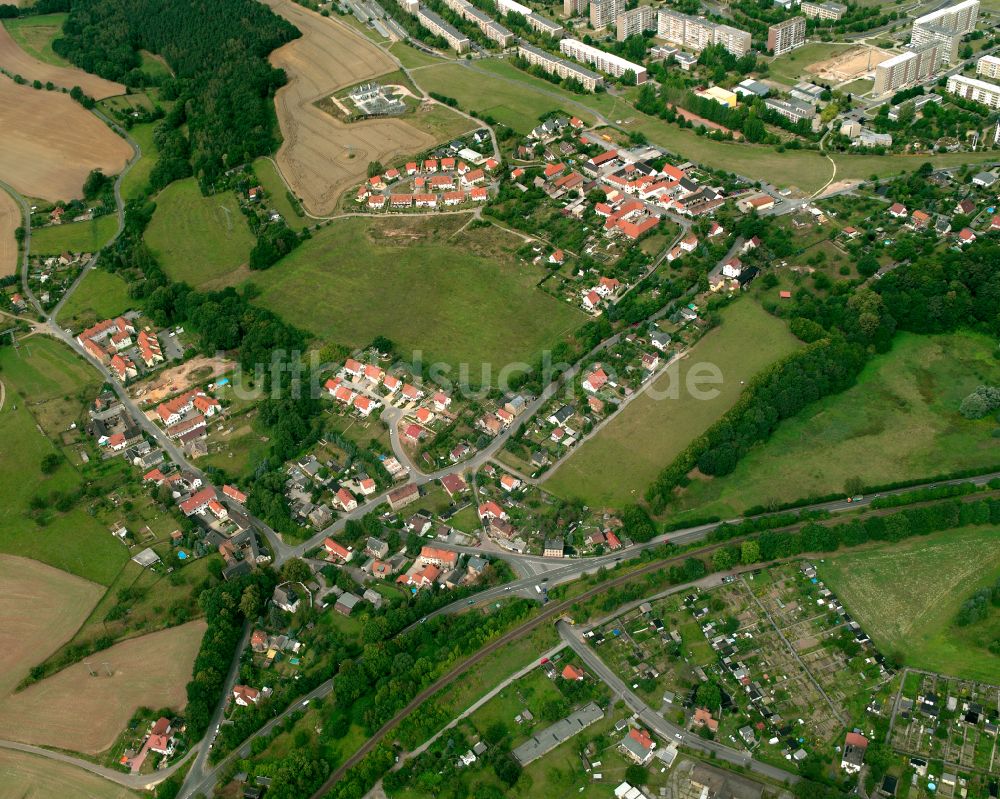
(471, 602)
(678, 736)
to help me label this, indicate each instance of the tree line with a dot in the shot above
(223, 83)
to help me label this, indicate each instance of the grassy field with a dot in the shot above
(41, 607)
(513, 99)
(74, 236)
(198, 239)
(899, 422)
(150, 671)
(31, 777)
(441, 122)
(100, 295)
(906, 597)
(136, 181)
(411, 57)
(277, 193)
(34, 35)
(42, 380)
(153, 65)
(619, 462)
(459, 297)
(790, 68)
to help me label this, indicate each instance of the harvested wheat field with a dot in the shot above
(321, 156)
(10, 219)
(17, 62)
(49, 143)
(150, 671)
(33, 777)
(850, 64)
(42, 608)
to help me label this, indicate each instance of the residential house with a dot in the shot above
(637, 746)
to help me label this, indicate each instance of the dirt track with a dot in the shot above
(10, 219)
(49, 143)
(322, 157)
(17, 62)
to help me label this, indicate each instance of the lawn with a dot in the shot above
(39, 373)
(35, 34)
(277, 193)
(100, 295)
(790, 68)
(136, 181)
(74, 236)
(411, 57)
(513, 99)
(198, 239)
(619, 462)
(457, 297)
(906, 597)
(899, 422)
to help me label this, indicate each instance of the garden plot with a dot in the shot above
(943, 718)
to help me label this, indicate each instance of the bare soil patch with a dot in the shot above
(49, 143)
(17, 62)
(180, 378)
(851, 64)
(33, 777)
(82, 713)
(322, 156)
(41, 608)
(10, 220)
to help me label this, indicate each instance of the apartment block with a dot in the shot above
(697, 33)
(832, 11)
(988, 66)
(974, 89)
(605, 62)
(492, 29)
(555, 65)
(946, 27)
(457, 40)
(786, 36)
(573, 8)
(916, 65)
(634, 22)
(604, 12)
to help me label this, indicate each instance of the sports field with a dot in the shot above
(41, 607)
(151, 671)
(906, 597)
(32, 777)
(457, 297)
(10, 221)
(615, 466)
(100, 295)
(74, 236)
(790, 68)
(899, 422)
(198, 239)
(43, 379)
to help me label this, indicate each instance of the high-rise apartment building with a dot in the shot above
(784, 37)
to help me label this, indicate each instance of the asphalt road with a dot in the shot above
(659, 725)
